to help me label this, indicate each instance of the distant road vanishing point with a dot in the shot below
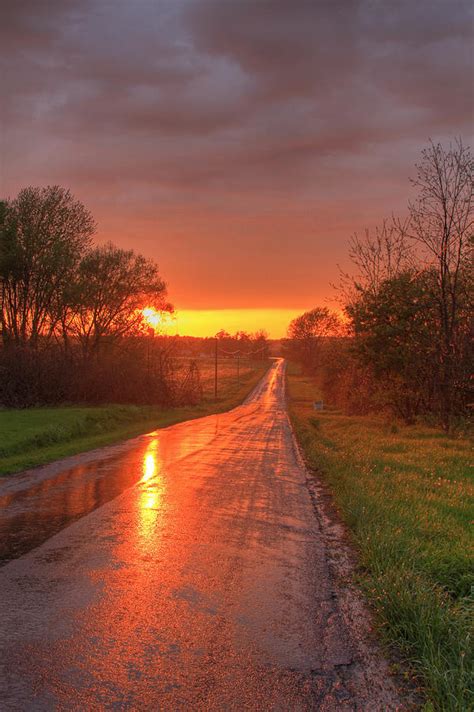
(206, 584)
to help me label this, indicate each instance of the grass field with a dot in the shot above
(227, 374)
(406, 495)
(35, 436)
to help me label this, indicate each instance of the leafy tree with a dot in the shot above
(242, 336)
(441, 223)
(410, 301)
(107, 300)
(43, 234)
(393, 336)
(261, 343)
(306, 333)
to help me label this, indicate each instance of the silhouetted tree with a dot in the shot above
(43, 234)
(378, 255)
(393, 337)
(306, 333)
(441, 222)
(261, 343)
(107, 300)
(410, 302)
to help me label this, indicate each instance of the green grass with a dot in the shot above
(35, 436)
(406, 495)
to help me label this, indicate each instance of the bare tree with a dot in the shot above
(441, 222)
(379, 255)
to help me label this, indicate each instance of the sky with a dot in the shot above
(239, 143)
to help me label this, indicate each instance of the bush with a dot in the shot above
(135, 372)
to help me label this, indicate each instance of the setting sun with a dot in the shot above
(152, 317)
(155, 319)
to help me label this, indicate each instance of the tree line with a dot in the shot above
(56, 286)
(404, 340)
(70, 312)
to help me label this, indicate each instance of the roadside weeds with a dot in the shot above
(411, 537)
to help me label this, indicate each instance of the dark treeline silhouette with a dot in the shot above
(405, 344)
(242, 344)
(71, 313)
(246, 344)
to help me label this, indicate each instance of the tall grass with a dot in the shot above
(406, 495)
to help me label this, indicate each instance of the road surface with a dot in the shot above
(199, 581)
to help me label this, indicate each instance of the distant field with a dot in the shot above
(406, 494)
(34, 436)
(226, 374)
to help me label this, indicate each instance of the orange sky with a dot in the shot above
(239, 144)
(208, 322)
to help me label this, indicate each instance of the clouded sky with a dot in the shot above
(238, 142)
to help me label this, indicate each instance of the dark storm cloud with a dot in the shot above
(348, 52)
(289, 50)
(237, 105)
(199, 67)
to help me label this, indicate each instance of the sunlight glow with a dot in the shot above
(157, 320)
(152, 317)
(207, 322)
(150, 461)
(149, 467)
(150, 501)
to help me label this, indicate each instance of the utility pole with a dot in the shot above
(149, 341)
(215, 368)
(238, 368)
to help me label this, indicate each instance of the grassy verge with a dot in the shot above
(406, 495)
(36, 436)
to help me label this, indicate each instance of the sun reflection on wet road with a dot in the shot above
(150, 499)
(150, 464)
(202, 583)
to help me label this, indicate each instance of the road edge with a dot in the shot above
(372, 666)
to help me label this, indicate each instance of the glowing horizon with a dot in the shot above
(207, 322)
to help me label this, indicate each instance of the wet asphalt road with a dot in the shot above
(197, 581)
